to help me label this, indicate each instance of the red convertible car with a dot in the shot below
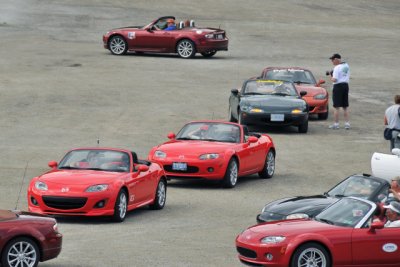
(216, 150)
(27, 238)
(347, 233)
(317, 97)
(186, 40)
(98, 182)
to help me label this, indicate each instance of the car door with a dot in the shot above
(378, 248)
(248, 153)
(155, 40)
(138, 186)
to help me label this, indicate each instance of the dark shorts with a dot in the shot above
(340, 95)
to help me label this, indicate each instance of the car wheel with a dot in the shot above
(323, 116)
(209, 53)
(231, 118)
(311, 254)
(231, 174)
(120, 207)
(161, 196)
(269, 166)
(303, 128)
(118, 45)
(21, 251)
(186, 48)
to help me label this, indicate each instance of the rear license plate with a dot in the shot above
(277, 117)
(220, 36)
(179, 166)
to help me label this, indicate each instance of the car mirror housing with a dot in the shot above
(303, 93)
(252, 139)
(142, 168)
(171, 135)
(376, 225)
(320, 82)
(53, 164)
(235, 91)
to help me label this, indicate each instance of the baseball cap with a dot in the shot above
(170, 21)
(394, 206)
(335, 56)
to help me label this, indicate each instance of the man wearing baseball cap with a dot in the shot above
(340, 94)
(170, 25)
(392, 214)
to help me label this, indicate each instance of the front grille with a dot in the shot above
(64, 203)
(190, 169)
(248, 253)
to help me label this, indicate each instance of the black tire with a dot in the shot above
(118, 45)
(209, 54)
(120, 207)
(161, 196)
(303, 128)
(186, 48)
(324, 116)
(231, 118)
(21, 250)
(310, 251)
(231, 174)
(269, 166)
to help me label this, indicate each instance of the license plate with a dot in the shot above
(179, 166)
(277, 117)
(220, 36)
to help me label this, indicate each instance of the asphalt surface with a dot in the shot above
(60, 89)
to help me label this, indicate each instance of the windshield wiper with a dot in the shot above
(277, 93)
(69, 168)
(211, 140)
(325, 221)
(184, 138)
(253, 93)
(302, 82)
(95, 169)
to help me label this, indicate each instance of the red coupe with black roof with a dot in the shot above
(186, 40)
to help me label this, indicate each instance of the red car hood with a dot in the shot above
(78, 177)
(311, 90)
(194, 148)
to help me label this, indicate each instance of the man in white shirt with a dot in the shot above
(393, 214)
(340, 94)
(392, 121)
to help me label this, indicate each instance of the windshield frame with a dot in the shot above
(310, 79)
(278, 84)
(214, 133)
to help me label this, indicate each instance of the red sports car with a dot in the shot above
(27, 238)
(317, 97)
(216, 151)
(98, 182)
(186, 39)
(344, 234)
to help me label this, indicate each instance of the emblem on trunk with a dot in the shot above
(65, 189)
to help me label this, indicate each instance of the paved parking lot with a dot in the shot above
(59, 89)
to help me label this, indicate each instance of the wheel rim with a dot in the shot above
(270, 163)
(117, 45)
(122, 205)
(185, 49)
(233, 173)
(161, 194)
(311, 257)
(22, 254)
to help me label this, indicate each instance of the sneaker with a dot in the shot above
(347, 125)
(334, 126)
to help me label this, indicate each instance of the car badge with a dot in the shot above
(181, 156)
(65, 189)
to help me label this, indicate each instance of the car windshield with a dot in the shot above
(209, 131)
(291, 75)
(99, 160)
(357, 186)
(269, 87)
(347, 212)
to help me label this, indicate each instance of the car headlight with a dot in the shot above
(160, 154)
(272, 239)
(246, 108)
(97, 188)
(209, 36)
(320, 96)
(297, 216)
(209, 156)
(41, 186)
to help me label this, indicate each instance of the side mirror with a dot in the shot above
(235, 91)
(320, 82)
(53, 164)
(171, 136)
(142, 168)
(376, 225)
(303, 93)
(252, 139)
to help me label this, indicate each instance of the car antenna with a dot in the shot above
(98, 141)
(212, 117)
(22, 184)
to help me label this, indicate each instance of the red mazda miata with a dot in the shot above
(347, 233)
(216, 150)
(27, 238)
(186, 39)
(98, 182)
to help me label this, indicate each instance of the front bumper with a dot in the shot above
(265, 119)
